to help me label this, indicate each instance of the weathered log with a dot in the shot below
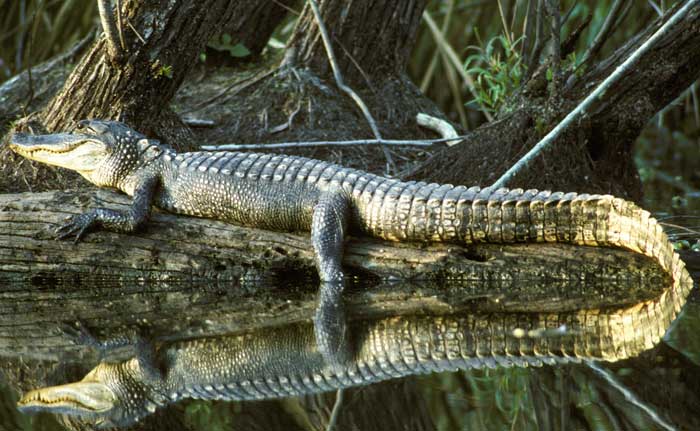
(180, 247)
(111, 280)
(211, 269)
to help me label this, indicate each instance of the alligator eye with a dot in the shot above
(84, 127)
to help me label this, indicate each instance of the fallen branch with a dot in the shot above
(197, 122)
(449, 135)
(594, 95)
(444, 128)
(415, 143)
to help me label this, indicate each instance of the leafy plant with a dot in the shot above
(498, 69)
(207, 415)
(162, 70)
(224, 43)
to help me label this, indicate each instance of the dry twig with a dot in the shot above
(279, 145)
(336, 410)
(118, 4)
(341, 83)
(439, 125)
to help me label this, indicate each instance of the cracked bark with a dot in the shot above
(165, 42)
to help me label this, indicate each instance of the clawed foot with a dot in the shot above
(77, 226)
(80, 334)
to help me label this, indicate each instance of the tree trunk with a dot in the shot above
(371, 38)
(595, 155)
(165, 42)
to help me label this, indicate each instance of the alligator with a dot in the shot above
(280, 192)
(284, 361)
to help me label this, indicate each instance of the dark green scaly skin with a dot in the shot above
(292, 193)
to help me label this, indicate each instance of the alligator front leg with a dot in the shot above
(112, 220)
(329, 222)
(136, 337)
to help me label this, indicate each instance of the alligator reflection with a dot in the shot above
(285, 360)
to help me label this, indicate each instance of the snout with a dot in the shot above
(24, 143)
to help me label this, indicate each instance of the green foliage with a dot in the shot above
(162, 70)
(224, 43)
(496, 399)
(681, 245)
(498, 69)
(209, 416)
(43, 29)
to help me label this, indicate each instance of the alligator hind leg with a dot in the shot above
(328, 227)
(330, 325)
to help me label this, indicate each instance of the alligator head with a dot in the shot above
(104, 152)
(111, 395)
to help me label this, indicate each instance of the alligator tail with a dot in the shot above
(623, 224)
(442, 213)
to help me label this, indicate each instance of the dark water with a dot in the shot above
(656, 390)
